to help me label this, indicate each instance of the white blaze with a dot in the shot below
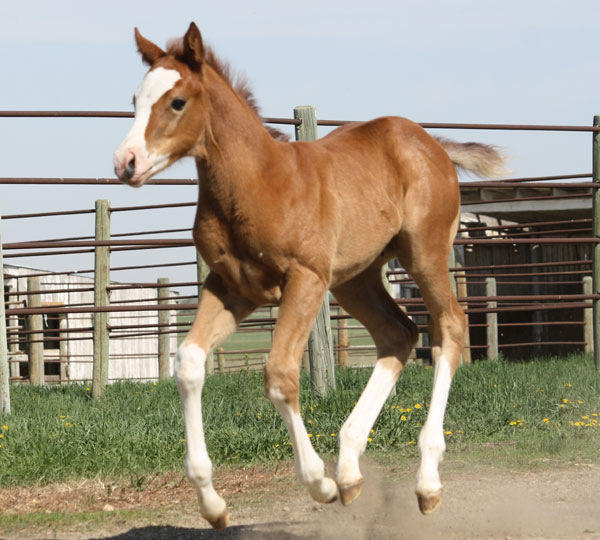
(154, 85)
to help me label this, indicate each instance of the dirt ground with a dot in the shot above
(266, 504)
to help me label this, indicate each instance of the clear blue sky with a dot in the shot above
(527, 61)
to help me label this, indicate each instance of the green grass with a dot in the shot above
(543, 408)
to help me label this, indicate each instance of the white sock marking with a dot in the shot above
(189, 375)
(310, 468)
(355, 431)
(431, 439)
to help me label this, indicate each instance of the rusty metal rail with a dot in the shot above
(573, 185)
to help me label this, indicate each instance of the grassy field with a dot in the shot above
(541, 409)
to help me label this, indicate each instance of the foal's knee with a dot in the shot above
(189, 368)
(282, 385)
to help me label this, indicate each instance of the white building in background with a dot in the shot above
(133, 351)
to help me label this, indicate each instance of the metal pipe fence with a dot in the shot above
(69, 303)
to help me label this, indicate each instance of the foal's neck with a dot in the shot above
(238, 146)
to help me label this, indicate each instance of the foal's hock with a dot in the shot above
(282, 223)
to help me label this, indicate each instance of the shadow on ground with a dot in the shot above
(264, 531)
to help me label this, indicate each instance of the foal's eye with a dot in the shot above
(178, 104)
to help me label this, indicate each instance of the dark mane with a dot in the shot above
(240, 84)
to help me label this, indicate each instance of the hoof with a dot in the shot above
(349, 493)
(325, 492)
(429, 503)
(331, 499)
(220, 522)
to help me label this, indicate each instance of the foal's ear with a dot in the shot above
(149, 51)
(193, 49)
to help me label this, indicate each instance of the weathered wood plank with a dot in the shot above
(164, 340)
(4, 369)
(36, 347)
(596, 248)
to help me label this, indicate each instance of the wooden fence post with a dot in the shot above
(164, 338)
(320, 342)
(320, 352)
(63, 348)
(4, 369)
(596, 247)
(221, 359)
(588, 318)
(343, 342)
(492, 320)
(101, 299)
(36, 347)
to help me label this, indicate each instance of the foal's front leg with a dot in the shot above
(218, 315)
(301, 300)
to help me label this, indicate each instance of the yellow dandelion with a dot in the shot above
(565, 400)
(417, 405)
(580, 401)
(62, 416)
(447, 433)
(369, 439)
(310, 435)
(408, 409)
(372, 431)
(546, 420)
(412, 442)
(333, 434)
(512, 423)
(403, 418)
(594, 414)
(586, 417)
(567, 385)
(87, 389)
(276, 446)
(181, 440)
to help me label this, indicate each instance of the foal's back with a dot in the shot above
(376, 179)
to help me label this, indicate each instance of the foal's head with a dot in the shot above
(170, 111)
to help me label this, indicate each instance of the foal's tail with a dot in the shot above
(480, 159)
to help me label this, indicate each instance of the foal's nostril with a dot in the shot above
(130, 169)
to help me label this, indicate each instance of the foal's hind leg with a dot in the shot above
(218, 315)
(429, 268)
(366, 299)
(300, 303)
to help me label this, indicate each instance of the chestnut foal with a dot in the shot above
(282, 223)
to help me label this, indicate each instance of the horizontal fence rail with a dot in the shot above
(530, 306)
